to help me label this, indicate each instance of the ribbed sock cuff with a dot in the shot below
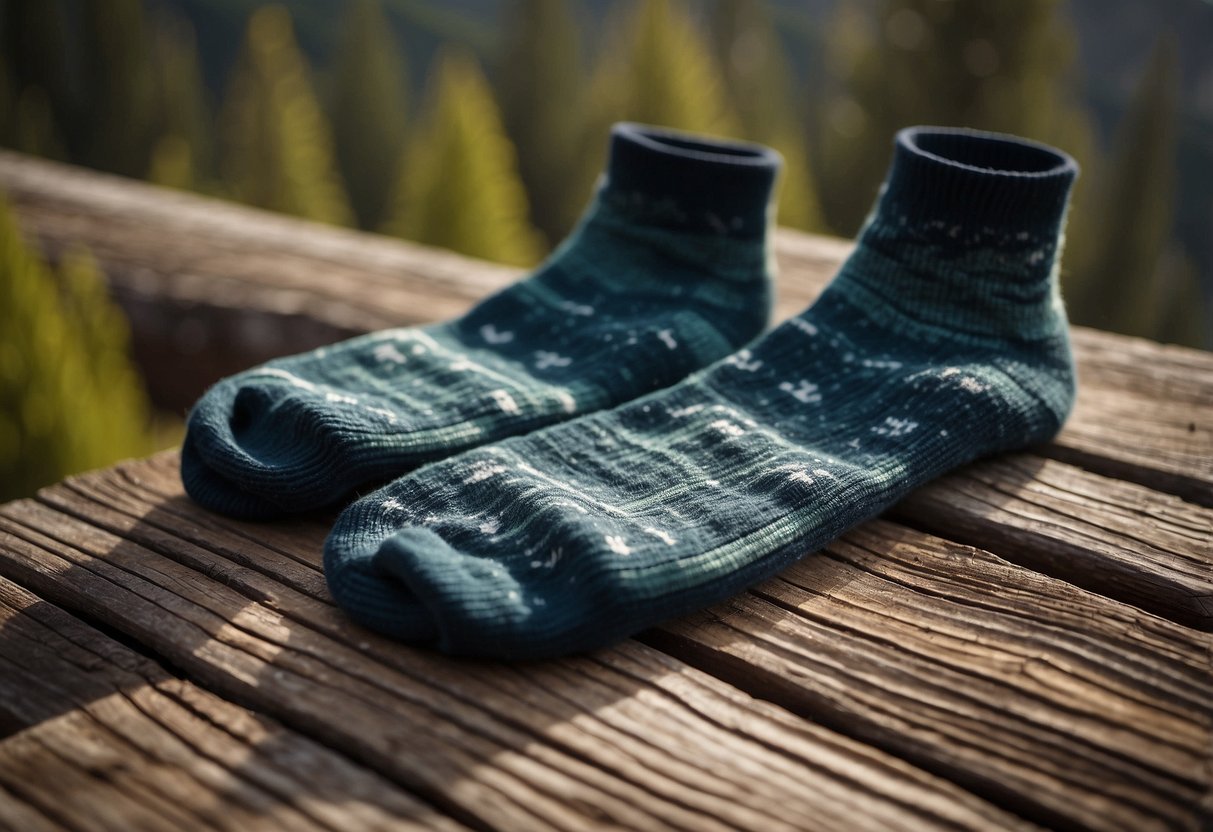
(966, 235)
(973, 179)
(689, 182)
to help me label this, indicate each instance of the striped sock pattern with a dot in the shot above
(668, 271)
(942, 339)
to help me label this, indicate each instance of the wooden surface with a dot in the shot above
(1023, 643)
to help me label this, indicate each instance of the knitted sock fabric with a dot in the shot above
(941, 340)
(667, 272)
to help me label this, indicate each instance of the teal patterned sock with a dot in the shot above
(667, 272)
(941, 340)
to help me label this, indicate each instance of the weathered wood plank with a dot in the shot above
(239, 648)
(1061, 496)
(1072, 709)
(1120, 539)
(139, 490)
(102, 738)
(44, 774)
(626, 736)
(1142, 436)
(238, 286)
(18, 816)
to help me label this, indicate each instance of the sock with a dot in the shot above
(668, 271)
(942, 339)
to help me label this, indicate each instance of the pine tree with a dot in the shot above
(368, 109)
(34, 55)
(69, 397)
(183, 154)
(540, 91)
(120, 415)
(760, 87)
(657, 68)
(118, 127)
(8, 107)
(33, 130)
(459, 185)
(277, 147)
(999, 65)
(1131, 280)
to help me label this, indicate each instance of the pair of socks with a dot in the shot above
(942, 339)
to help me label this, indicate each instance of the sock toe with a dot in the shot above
(259, 447)
(217, 493)
(413, 585)
(376, 597)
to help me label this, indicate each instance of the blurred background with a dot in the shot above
(480, 126)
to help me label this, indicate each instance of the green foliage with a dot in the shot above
(277, 148)
(69, 397)
(35, 53)
(183, 155)
(657, 68)
(106, 87)
(136, 105)
(460, 187)
(8, 116)
(33, 129)
(173, 164)
(541, 81)
(999, 65)
(760, 87)
(1128, 277)
(118, 123)
(368, 109)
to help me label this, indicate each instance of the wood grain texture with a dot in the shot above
(18, 816)
(1119, 539)
(1068, 708)
(99, 737)
(1144, 413)
(238, 286)
(626, 736)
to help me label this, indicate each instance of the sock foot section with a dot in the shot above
(667, 272)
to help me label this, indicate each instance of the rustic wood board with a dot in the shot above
(1117, 538)
(1067, 707)
(627, 736)
(96, 736)
(1045, 767)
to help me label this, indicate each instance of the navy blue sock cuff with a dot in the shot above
(973, 180)
(690, 182)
